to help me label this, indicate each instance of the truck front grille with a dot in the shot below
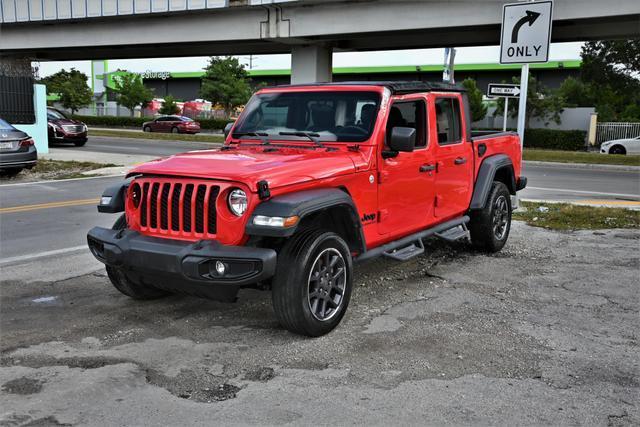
(184, 209)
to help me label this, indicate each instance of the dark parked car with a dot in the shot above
(64, 129)
(17, 150)
(173, 124)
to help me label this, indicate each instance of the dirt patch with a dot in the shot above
(260, 374)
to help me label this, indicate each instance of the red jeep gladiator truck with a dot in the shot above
(310, 180)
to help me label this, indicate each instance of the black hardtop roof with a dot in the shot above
(397, 88)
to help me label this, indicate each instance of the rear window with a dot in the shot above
(5, 126)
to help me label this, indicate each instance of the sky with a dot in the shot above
(465, 55)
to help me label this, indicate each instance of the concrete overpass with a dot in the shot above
(310, 29)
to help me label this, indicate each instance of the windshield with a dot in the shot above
(5, 126)
(325, 116)
(186, 119)
(55, 115)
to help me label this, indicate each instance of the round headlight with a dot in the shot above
(136, 195)
(238, 202)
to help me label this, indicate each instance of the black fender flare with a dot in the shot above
(486, 175)
(114, 196)
(302, 204)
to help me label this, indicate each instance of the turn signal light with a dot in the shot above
(27, 142)
(275, 221)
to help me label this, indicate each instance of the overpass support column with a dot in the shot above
(311, 64)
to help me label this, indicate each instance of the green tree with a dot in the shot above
(131, 91)
(478, 108)
(576, 93)
(226, 83)
(610, 71)
(72, 88)
(542, 103)
(169, 106)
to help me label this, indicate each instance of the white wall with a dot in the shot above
(571, 119)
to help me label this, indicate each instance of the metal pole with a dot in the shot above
(522, 107)
(505, 114)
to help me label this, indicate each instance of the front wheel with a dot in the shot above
(175, 130)
(147, 129)
(490, 226)
(617, 149)
(123, 283)
(10, 173)
(312, 286)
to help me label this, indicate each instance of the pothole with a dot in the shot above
(23, 386)
(199, 386)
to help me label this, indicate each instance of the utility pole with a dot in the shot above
(448, 74)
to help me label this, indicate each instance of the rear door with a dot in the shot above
(454, 155)
(405, 182)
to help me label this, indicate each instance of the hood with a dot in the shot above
(62, 122)
(284, 166)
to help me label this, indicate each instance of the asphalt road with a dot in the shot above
(160, 148)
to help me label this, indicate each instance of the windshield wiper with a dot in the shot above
(312, 136)
(262, 135)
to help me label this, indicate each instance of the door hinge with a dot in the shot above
(438, 201)
(382, 215)
(382, 176)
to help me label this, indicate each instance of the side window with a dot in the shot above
(412, 114)
(448, 121)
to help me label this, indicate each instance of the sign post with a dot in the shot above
(525, 39)
(506, 91)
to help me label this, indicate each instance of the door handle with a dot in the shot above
(427, 168)
(460, 160)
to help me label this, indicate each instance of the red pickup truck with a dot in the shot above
(310, 180)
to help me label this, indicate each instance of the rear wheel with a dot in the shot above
(175, 130)
(313, 282)
(124, 284)
(490, 226)
(617, 149)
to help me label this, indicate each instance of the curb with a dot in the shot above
(625, 168)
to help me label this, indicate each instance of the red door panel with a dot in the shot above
(406, 182)
(454, 178)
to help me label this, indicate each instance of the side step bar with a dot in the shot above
(407, 245)
(455, 233)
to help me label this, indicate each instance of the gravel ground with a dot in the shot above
(543, 333)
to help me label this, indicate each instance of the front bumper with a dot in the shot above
(19, 159)
(180, 266)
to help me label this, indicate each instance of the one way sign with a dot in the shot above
(526, 32)
(499, 90)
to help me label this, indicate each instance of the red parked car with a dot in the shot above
(311, 180)
(173, 124)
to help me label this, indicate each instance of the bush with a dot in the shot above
(553, 139)
(114, 121)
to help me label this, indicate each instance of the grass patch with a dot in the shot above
(563, 216)
(579, 157)
(219, 139)
(57, 169)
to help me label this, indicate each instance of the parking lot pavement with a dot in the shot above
(545, 332)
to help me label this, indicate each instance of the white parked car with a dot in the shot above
(621, 146)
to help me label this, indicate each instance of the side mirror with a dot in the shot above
(227, 129)
(402, 139)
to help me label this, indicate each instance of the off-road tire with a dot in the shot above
(484, 223)
(124, 284)
(292, 299)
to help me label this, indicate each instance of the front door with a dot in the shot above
(454, 179)
(406, 181)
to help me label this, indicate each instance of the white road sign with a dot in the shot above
(526, 32)
(503, 90)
